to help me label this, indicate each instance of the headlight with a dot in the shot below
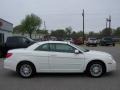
(111, 58)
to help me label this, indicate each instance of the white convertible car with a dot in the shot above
(58, 57)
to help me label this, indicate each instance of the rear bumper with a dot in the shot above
(106, 43)
(91, 43)
(9, 65)
(109, 43)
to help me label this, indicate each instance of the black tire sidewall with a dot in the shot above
(32, 67)
(89, 66)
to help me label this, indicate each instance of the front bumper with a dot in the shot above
(111, 66)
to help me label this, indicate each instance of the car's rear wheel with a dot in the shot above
(96, 69)
(26, 69)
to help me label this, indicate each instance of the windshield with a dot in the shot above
(81, 48)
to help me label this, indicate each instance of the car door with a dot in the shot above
(63, 59)
(41, 56)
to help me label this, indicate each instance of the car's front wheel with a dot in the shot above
(96, 69)
(26, 69)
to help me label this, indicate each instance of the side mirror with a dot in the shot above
(27, 41)
(77, 51)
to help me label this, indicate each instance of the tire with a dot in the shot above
(96, 69)
(87, 44)
(95, 45)
(2, 51)
(113, 44)
(100, 44)
(1, 54)
(26, 69)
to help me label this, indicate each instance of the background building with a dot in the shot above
(6, 29)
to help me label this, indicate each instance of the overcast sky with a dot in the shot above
(63, 13)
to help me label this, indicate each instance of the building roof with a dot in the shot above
(5, 21)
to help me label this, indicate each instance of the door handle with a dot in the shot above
(52, 55)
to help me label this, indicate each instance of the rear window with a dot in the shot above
(108, 39)
(12, 39)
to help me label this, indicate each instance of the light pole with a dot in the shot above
(44, 25)
(83, 14)
(109, 22)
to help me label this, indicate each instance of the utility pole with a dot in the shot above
(83, 14)
(109, 21)
(106, 22)
(44, 25)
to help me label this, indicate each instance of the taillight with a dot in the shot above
(8, 55)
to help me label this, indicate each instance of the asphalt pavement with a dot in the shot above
(9, 80)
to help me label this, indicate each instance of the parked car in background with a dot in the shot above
(58, 57)
(78, 41)
(106, 41)
(116, 40)
(91, 41)
(14, 42)
(37, 40)
(69, 40)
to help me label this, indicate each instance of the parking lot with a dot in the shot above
(111, 81)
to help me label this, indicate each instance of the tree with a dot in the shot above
(68, 31)
(41, 32)
(59, 34)
(73, 35)
(31, 23)
(106, 32)
(94, 34)
(117, 32)
(76, 35)
(91, 33)
(17, 29)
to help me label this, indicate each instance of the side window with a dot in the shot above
(64, 48)
(12, 40)
(52, 47)
(44, 47)
(24, 40)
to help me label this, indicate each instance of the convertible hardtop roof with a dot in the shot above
(65, 42)
(44, 42)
